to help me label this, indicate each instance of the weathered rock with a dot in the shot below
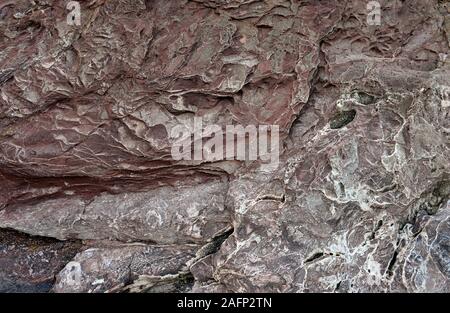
(358, 203)
(30, 264)
(111, 267)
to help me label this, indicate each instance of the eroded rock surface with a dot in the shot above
(111, 267)
(359, 201)
(30, 264)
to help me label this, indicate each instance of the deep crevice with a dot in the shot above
(214, 245)
(392, 262)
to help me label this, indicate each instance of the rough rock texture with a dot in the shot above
(358, 203)
(112, 267)
(30, 264)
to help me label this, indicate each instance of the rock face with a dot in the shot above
(112, 267)
(359, 201)
(30, 264)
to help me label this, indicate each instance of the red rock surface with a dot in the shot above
(358, 203)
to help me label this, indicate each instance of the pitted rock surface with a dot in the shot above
(359, 201)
